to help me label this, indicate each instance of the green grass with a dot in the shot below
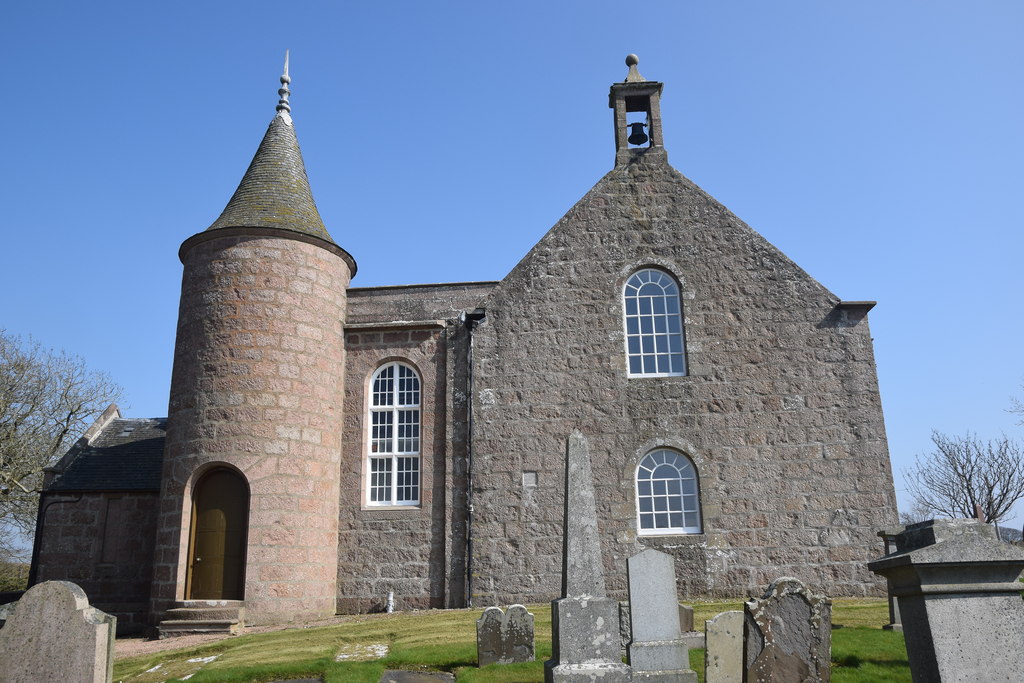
(446, 641)
(864, 654)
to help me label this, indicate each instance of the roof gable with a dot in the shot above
(645, 212)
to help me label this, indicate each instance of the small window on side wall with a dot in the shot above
(393, 467)
(667, 494)
(655, 343)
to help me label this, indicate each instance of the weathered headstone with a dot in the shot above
(685, 618)
(54, 635)
(963, 618)
(723, 650)
(657, 651)
(625, 633)
(693, 639)
(504, 637)
(788, 635)
(584, 623)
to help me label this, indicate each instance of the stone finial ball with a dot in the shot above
(632, 60)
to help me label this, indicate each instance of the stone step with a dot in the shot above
(237, 604)
(205, 613)
(203, 616)
(170, 628)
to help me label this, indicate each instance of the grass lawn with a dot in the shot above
(446, 641)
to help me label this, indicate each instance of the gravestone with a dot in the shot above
(692, 639)
(584, 622)
(788, 635)
(54, 635)
(657, 651)
(685, 618)
(504, 637)
(723, 650)
(888, 537)
(963, 618)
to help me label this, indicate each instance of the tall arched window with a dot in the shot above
(654, 325)
(393, 475)
(667, 494)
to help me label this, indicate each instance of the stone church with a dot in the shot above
(327, 445)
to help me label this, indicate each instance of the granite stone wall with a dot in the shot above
(404, 549)
(444, 301)
(779, 411)
(104, 543)
(257, 387)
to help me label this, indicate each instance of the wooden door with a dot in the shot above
(220, 509)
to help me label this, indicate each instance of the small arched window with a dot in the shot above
(393, 472)
(654, 325)
(667, 494)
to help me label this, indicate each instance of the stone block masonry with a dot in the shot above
(779, 410)
(399, 548)
(103, 542)
(257, 388)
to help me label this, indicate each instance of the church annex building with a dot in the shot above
(326, 444)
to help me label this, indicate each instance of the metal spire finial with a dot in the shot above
(283, 92)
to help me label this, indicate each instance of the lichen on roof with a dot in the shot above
(274, 192)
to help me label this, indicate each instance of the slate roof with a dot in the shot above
(274, 192)
(126, 456)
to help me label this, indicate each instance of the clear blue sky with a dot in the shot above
(878, 144)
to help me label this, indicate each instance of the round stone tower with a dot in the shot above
(249, 497)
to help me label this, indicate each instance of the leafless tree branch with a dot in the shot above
(47, 401)
(963, 473)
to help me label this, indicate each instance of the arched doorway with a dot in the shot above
(216, 556)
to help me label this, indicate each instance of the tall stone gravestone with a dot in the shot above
(584, 622)
(657, 651)
(788, 635)
(960, 601)
(54, 635)
(504, 637)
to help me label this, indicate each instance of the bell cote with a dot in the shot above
(637, 106)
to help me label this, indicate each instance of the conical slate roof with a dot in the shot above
(274, 193)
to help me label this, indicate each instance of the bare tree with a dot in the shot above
(47, 401)
(963, 473)
(917, 513)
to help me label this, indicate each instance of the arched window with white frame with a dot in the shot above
(393, 470)
(655, 345)
(667, 494)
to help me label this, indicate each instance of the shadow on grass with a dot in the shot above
(863, 655)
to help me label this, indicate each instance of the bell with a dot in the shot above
(637, 136)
